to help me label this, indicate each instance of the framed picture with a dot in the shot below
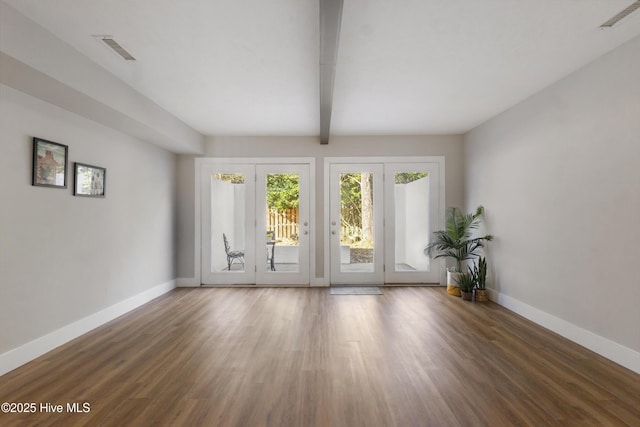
(89, 180)
(49, 164)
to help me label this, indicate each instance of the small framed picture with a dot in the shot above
(89, 180)
(49, 164)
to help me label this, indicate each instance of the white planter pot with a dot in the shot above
(452, 283)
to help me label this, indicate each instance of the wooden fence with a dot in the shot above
(283, 223)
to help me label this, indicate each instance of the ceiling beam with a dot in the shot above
(330, 19)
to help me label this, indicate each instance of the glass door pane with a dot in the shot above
(411, 204)
(228, 217)
(356, 231)
(357, 241)
(283, 225)
(282, 219)
(411, 216)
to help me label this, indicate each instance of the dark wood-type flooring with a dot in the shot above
(301, 357)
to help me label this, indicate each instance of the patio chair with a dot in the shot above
(232, 255)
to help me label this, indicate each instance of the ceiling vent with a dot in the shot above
(109, 41)
(623, 14)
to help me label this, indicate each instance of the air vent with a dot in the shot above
(109, 41)
(623, 14)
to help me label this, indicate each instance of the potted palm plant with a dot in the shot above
(457, 242)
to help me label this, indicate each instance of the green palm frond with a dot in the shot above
(460, 225)
(446, 254)
(455, 241)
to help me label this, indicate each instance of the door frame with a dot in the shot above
(205, 162)
(438, 161)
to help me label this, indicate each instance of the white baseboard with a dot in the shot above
(618, 353)
(36, 348)
(187, 282)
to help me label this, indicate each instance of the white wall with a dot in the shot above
(63, 258)
(185, 199)
(559, 176)
(449, 146)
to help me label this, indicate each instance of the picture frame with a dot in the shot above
(50, 160)
(89, 180)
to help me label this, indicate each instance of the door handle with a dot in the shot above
(333, 232)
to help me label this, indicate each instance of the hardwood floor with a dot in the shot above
(301, 357)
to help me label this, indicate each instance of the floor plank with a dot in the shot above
(301, 357)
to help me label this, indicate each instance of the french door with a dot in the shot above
(356, 225)
(382, 216)
(255, 224)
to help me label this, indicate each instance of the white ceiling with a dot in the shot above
(229, 67)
